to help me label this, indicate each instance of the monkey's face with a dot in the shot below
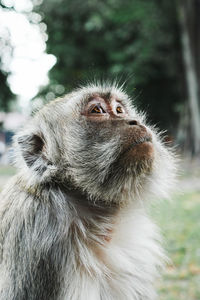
(109, 151)
(94, 140)
(107, 117)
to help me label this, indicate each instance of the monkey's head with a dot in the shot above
(95, 141)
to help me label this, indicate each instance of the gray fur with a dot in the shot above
(73, 224)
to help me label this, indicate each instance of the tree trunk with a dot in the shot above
(191, 74)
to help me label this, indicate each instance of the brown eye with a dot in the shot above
(97, 109)
(119, 110)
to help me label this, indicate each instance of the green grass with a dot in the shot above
(180, 224)
(7, 170)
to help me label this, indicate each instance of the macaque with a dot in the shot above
(73, 221)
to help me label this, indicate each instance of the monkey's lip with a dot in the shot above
(139, 142)
(142, 140)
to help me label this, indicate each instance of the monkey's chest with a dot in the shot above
(121, 267)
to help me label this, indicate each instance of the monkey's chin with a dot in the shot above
(141, 151)
(142, 157)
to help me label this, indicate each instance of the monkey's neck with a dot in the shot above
(81, 201)
(96, 216)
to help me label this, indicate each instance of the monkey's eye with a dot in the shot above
(119, 110)
(97, 109)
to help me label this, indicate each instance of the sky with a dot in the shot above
(29, 63)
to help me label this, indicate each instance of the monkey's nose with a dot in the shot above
(133, 122)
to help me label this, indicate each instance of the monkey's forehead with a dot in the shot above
(103, 89)
(77, 99)
(108, 92)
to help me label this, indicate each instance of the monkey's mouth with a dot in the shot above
(140, 154)
(139, 148)
(141, 140)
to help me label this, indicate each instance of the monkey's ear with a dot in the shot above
(31, 147)
(33, 151)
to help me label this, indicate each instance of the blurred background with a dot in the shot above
(49, 47)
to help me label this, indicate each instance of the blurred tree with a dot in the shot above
(189, 11)
(6, 96)
(138, 39)
(115, 38)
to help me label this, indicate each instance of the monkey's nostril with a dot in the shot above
(133, 122)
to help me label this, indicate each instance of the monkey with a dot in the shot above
(73, 220)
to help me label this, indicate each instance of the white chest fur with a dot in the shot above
(124, 267)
